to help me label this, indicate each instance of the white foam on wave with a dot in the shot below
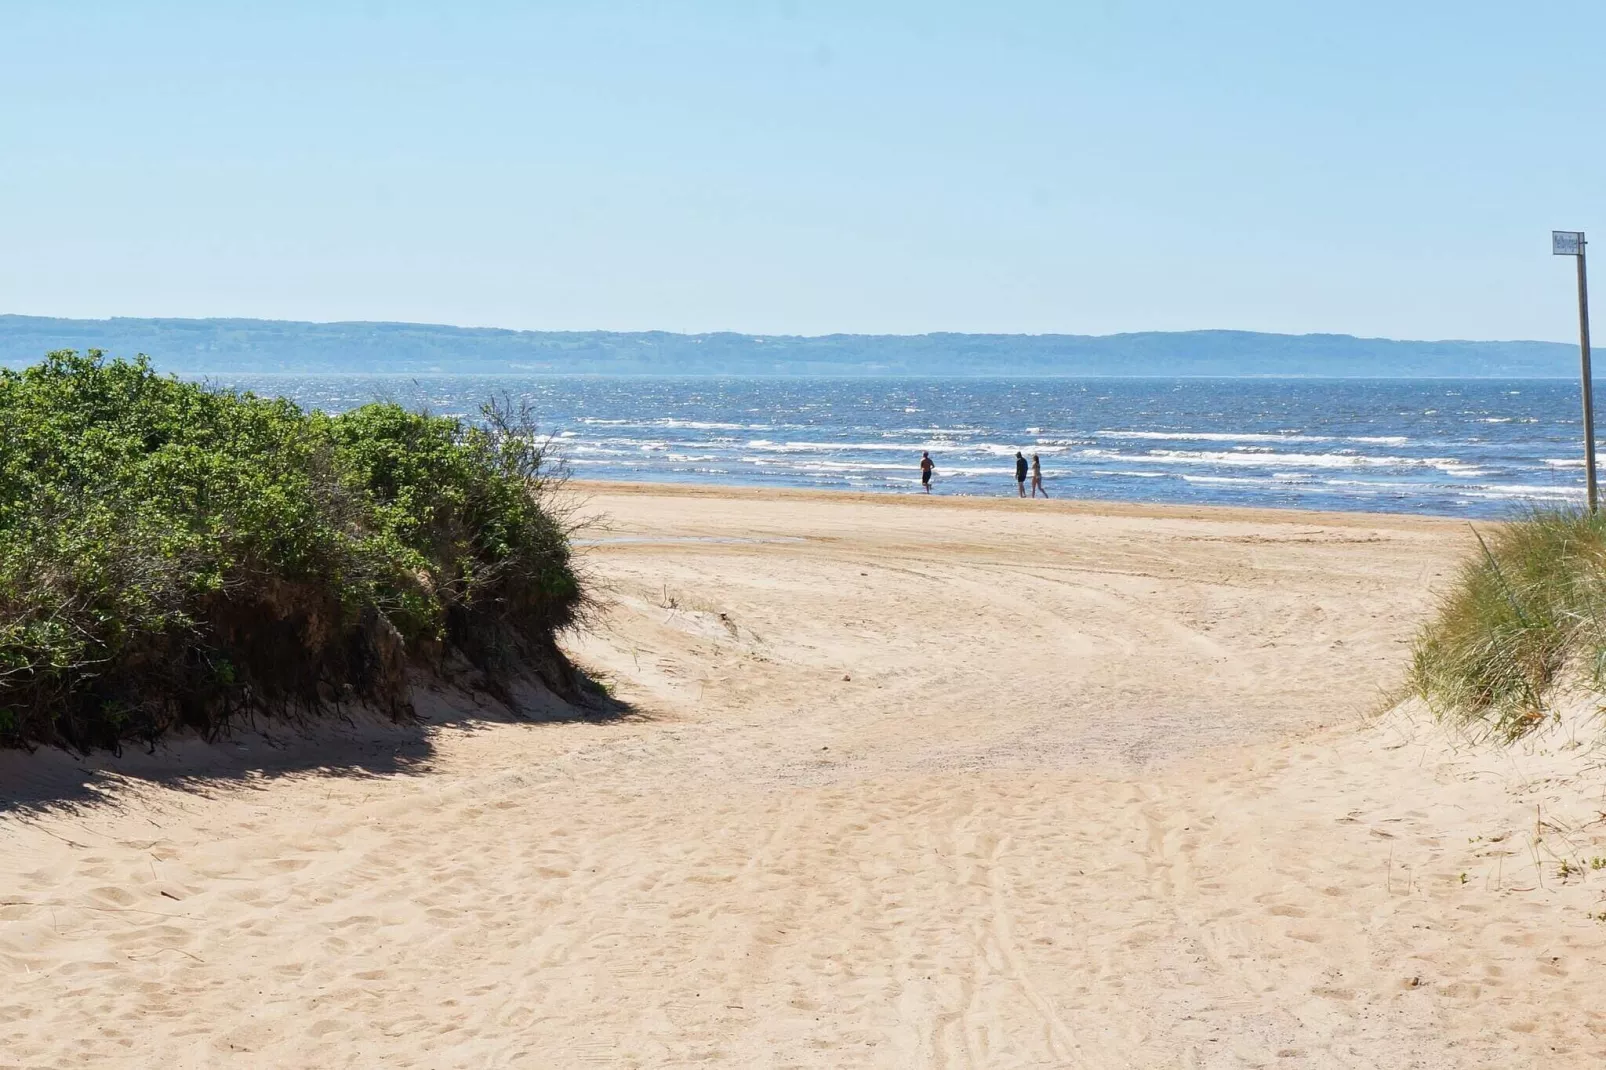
(1336, 487)
(583, 448)
(1230, 480)
(1390, 484)
(847, 466)
(711, 425)
(843, 467)
(951, 431)
(673, 422)
(1525, 490)
(1461, 469)
(987, 448)
(1237, 459)
(1253, 436)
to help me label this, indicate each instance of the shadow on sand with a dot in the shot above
(348, 743)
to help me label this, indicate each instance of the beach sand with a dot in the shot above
(907, 783)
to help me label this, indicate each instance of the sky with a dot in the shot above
(785, 166)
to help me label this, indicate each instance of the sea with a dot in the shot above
(1474, 448)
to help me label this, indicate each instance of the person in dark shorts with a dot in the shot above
(1020, 473)
(1037, 477)
(927, 466)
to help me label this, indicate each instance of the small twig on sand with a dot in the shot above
(159, 950)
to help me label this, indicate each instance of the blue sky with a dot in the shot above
(1368, 168)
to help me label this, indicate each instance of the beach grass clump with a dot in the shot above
(1526, 615)
(173, 555)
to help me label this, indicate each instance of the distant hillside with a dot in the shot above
(236, 345)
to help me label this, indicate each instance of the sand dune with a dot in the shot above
(909, 783)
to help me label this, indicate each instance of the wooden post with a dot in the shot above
(1589, 386)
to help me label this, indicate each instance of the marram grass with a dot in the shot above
(1526, 615)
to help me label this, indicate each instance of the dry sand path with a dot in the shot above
(911, 784)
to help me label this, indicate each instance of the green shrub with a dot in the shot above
(173, 555)
(1525, 613)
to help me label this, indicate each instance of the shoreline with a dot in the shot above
(1071, 506)
(1445, 449)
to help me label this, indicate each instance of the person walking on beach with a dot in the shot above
(927, 466)
(1037, 477)
(1020, 473)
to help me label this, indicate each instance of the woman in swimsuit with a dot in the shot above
(1037, 477)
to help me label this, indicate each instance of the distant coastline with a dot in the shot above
(249, 346)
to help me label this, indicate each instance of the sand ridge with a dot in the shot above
(910, 783)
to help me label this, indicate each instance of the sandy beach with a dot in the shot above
(903, 782)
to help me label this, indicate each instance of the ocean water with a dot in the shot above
(1452, 447)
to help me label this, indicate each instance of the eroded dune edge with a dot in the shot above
(905, 783)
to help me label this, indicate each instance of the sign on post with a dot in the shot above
(1566, 242)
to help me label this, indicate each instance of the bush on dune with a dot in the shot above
(173, 556)
(1527, 614)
